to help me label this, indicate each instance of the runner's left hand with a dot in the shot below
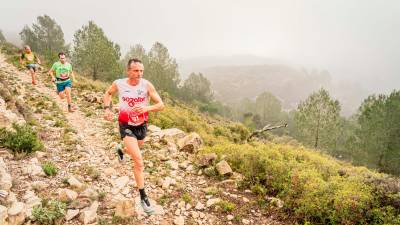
(140, 109)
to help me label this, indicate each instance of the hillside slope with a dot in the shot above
(276, 182)
(80, 145)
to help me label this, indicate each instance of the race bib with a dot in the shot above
(137, 119)
(63, 75)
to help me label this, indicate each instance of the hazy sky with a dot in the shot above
(351, 39)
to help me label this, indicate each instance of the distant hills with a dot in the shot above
(246, 76)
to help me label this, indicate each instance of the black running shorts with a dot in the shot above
(138, 132)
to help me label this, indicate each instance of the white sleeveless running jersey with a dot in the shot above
(130, 96)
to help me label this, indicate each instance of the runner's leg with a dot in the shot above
(33, 75)
(132, 149)
(69, 99)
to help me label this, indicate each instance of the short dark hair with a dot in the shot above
(60, 54)
(133, 60)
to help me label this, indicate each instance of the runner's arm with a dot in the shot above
(20, 58)
(108, 115)
(52, 73)
(155, 97)
(108, 95)
(38, 60)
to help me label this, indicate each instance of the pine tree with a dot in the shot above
(379, 132)
(317, 120)
(94, 55)
(45, 37)
(197, 87)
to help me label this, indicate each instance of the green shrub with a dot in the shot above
(49, 168)
(91, 171)
(163, 200)
(211, 191)
(187, 198)
(213, 129)
(23, 140)
(258, 189)
(49, 212)
(60, 123)
(102, 195)
(88, 84)
(210, 171)
(225, 206)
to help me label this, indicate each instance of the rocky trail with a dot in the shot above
(97, 187)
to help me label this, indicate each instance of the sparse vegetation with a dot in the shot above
(119, 220)
(211, 191)
(163, 200)
(49, 168)
(187, 198)
(225, 206)
(23, 140)
(309, 183)
(102, 195)
(49, 212)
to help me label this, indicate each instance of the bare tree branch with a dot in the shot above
(266, 128)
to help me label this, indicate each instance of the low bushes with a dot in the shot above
(22, 140)
(310, 183)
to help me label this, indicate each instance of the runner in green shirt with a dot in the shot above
(61, 73)
(29, 60)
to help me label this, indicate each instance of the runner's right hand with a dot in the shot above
(53, 79)
(108, 115)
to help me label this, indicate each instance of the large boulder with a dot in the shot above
(31, 200)
(33, 168)
(152, 129)
(17, 213)
(3, 215)
(5, 177)
(89, 215)
(8, 117)
(223, 168)
(75, 183)
(94, 97)
(206, 159)
(190, 143)
(168, 135)
(125, 209)
(67, 195)
(71, 213)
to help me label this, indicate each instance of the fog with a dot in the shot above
(356, 41)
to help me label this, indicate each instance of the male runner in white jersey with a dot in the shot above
(134, 104)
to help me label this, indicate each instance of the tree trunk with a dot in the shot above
(316, 138)
(94, 74)
(317, 133)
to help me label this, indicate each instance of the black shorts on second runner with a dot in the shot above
(138, 132)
